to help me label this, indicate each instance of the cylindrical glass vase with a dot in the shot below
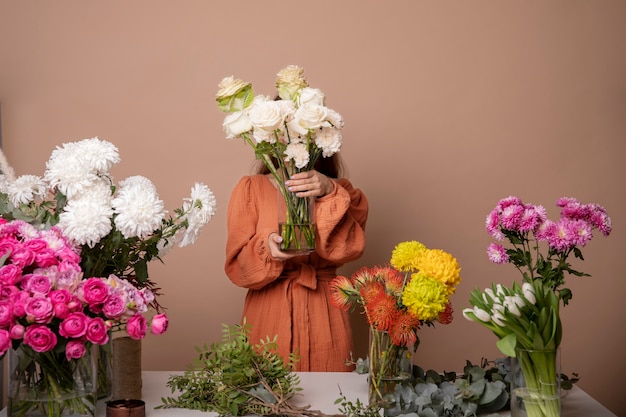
(296, 223)
(389, 366)
(536, 383)
(48, 384)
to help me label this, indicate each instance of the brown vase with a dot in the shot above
(126, 369)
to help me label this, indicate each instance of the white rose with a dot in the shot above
(289, 81)
(310, 96)
(266, 115)
(311, 116)
(229, 86)
(234, 95)
(236, 123)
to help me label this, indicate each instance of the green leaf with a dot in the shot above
(507, 344)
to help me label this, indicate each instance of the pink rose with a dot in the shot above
(60, 296)
(40, 338)
(19, 300)
(46, 257)
(159, 324)
(22, 256)
(7, 245)
(114, 306)
(10, 274)
(136, 326)
(6, 313)
(95, 291)
(39, 309)
(17, 331)
(61, 310)
(74, 349)
(74, 325)
(97, 331)
(39, 284)
(5, 341)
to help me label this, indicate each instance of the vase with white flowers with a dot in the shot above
(117, 229)
(525, 317)
(289, 134)
(397, 300)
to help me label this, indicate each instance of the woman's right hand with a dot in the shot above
(273, 242)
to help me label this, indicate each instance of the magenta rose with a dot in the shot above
(45, 258)
(22, 256)
(40, 338)
(61, 310)
(97, 331)
(95, 291)
(39, 284)
(159, 324)
(10, 274)
(7, 245)
(5, 341)
(39, 309)
(17, 331)
(74, 325)
(137, 326)
(19, 300)
(74, 349)
(60, 296)
(6, 313)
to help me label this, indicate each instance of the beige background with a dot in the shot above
(449, 106)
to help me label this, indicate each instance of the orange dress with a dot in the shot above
(291, 299)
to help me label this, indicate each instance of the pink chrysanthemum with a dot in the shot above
(492, 224)
(511, 217)
(497, 253)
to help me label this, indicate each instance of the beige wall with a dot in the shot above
(449, 106)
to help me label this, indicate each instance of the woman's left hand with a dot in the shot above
(310, 184)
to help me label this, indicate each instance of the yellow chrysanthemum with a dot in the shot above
(425, 297)
(406, 256)
(442, 266)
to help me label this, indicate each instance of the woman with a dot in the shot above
(288, 294)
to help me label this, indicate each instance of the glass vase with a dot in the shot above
(536, 383)
(105, 377)
(296, 223)
(389, 367)
(47, 384)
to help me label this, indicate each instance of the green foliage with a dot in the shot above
(234, 377)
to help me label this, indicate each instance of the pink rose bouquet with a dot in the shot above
(51, 313)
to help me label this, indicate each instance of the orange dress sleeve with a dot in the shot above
(248, 261)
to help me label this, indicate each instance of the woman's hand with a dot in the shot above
(310, 184)
(273, 242)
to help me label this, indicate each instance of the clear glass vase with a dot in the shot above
(536, 383)
(296, 223)
(389, 367)
(47, 384)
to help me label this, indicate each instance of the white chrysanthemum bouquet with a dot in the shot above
(118, 228)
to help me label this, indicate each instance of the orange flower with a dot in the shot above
(340, 289)
(382, 311)
(445, 317)
(402, 331)
(393, 279)
(370, 290)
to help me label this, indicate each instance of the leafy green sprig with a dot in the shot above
(235, 378)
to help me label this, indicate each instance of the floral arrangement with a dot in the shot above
(52, 315)
(414, 290)
(288, 134)
(118, 228)
(526, 316)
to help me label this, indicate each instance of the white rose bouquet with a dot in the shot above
(289, 134)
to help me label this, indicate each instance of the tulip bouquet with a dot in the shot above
(525, 317)
(397, 300)
(288, 134)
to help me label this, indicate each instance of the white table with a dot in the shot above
(321, 389)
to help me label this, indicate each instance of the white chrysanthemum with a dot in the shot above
(335, 119)
(138, 207)
(87, 219)
(261, 135)
(298, 153)
(200, 208)
(25, 189)
(100, 155)
(328, 139)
